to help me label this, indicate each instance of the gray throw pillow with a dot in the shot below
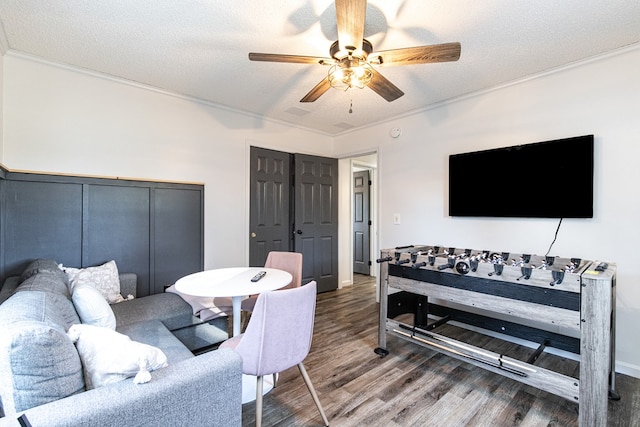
(38, 361)
(38, 364)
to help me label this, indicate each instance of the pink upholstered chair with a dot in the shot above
(290, 262)
(278, 337)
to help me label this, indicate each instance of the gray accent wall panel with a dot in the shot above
(41, 221)
(178, 219)
(153, 229)
(117, 227)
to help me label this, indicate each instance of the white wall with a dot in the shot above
(600, 97)
(345, 249)
(62, 121)
(1, 108)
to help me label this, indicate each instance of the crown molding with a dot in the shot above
(119, 80)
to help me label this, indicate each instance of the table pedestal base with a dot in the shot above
(249, 383)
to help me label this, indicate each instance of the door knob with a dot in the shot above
(298, 231)
(253, 235)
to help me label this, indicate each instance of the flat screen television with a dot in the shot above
(551, 179)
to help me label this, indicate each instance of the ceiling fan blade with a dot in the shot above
(383, 87)
(350, 15)
(317, 91)
(417, 55)
(296, 59)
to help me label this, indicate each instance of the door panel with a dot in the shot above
(361, 223)
(270, 220)
(316, 219)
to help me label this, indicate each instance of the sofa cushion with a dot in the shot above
(38, 362)
(92, 307)
(153, 332)
(42, 306)
(47, 282)
(109, 357)
(128, 285)
(8, 288)
(43, 266)
(57, 292)
(169, 308)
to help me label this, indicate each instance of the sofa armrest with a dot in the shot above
(128, 284)
(8, 287)
(205, 390)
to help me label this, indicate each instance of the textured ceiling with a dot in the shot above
(199, 48)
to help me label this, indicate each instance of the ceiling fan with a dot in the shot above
(352, 56)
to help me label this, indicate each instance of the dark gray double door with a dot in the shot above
(294, 207)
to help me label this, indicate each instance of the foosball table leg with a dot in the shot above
(381, 352)
(383, 296)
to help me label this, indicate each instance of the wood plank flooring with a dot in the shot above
(414, 386)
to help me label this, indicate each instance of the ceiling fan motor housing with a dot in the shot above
(351, 53)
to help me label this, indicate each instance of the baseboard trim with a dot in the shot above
(628, 369)
(345, 283)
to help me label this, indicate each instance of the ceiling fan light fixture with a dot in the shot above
(344, 77)
(350, 61)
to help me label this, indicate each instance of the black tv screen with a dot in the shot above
(551, 179)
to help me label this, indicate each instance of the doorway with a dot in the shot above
(348, 166)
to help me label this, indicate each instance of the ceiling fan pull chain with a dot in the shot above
(351, 107)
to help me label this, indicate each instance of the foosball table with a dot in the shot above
(563, 303)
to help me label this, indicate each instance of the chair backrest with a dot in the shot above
(287, 261)
(280, 330)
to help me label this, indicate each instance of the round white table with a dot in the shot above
(232, 282)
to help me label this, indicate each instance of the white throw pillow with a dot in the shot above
(92, 307)
(103, 277)
(108, 356)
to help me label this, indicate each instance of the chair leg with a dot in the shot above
(259, 401)
(275, 380)
(230, 325)
(246, 316)
(307, 381)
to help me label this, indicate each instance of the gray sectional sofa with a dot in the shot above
(41, 373)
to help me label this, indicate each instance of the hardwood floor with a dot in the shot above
(414, 386)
